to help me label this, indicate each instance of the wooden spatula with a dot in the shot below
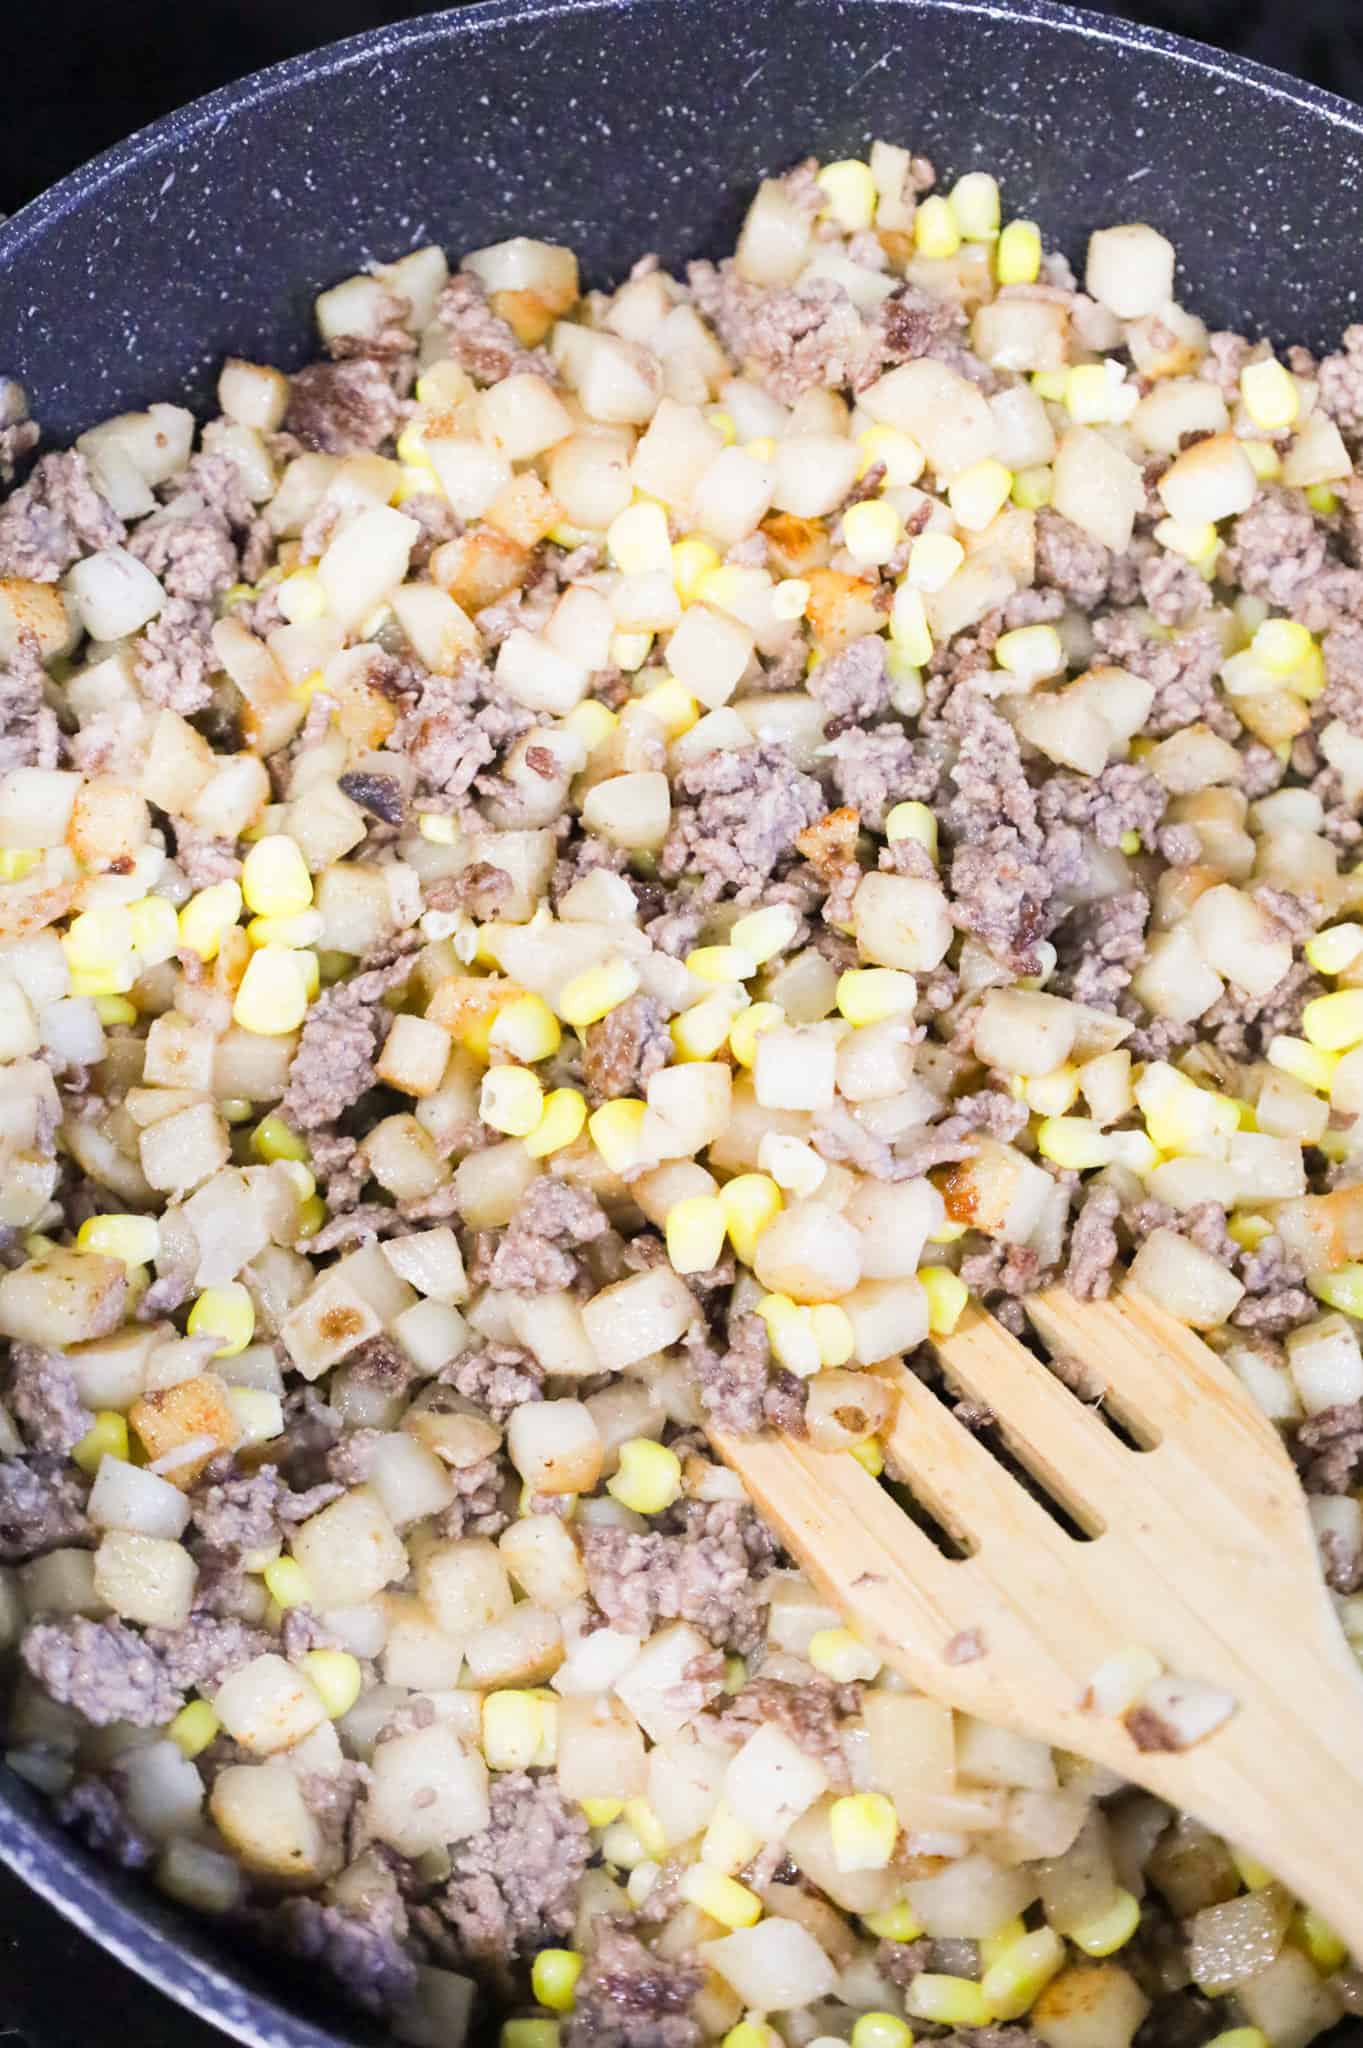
(1199, 1549)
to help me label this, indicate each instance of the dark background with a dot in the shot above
(83, 76)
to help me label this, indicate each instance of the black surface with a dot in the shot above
(618, 128)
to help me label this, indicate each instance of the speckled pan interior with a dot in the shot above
(620, 126)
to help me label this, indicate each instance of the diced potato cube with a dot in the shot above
(653, 1687)
(525, 1649)
(430, 1261)
(145, 1579)
(62, 1298)
(268, 1705)
(600, 1749)
(182, 1150)
(638, 1316)
(1095, 2006)
(464, 1585)
(544, 1561)
(261, 1812)
(428, 1790)
(350, 1551)
(415, 1055)
(330, 1321)
(771, 1782)
(555, 1446)
(194, 1415)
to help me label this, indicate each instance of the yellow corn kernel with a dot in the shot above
(529, 2034)
(640, 1816)
(115, 1010)
(155, 929)
(1264, 460)
(868, 995)
(649, 1476)
(97, 940)
(735, 1676)
(881, 2030)
(1031, 653)
(629, 651)
(337, 1677)
(134, 1239)
(934, 559)
(1334, 1023)
(273, 996)
(287, 1583)
(762, 934)
(1052, 385)
(792, 1164)
(1129, 842)
(1320, 1941)
(1199, 545)
(728, 1842)
(935, 229)
(511, 1100)
(16, 862)
(312, 1214)
(1249, 1231)
(411, 445)
(1051, 1094)
(947, 1296)
(912, 820)
(622, 1847)
(790, 598)
(442, 385)
(1253, 1875)
(974, 199)
(593, 994)
(978, 494)
(1072, 1141)
(1241, 2037)
(841, 1656)
(207, 918)
(723, 424)
(952, 2001)
(274, 877)
(849, 193)
(1017, 259)
(1305, 1063)
(1321, 498)
(675, 709)
(762, 448)
(439, 829)
(417, 480)
(695, 1233)
(1032, 487)
(992, 1946)
(700, 1032)
(512, 1724)
(909, 625)
(1104, 1933)
(1012, 1985)
(259, 1414)
(723, 1898)
(553, 1978)
(1281, 646)
(692, 559)
(751, 2034)
(1334, 949)
(790, 1332)
(303, 595)
(832, 1333)
(193, 1728)
(107, 1437)
(900, 454)
(871, 531)
(1270, 395)
(616, 1130)
(561, 1121)
(592, 721)
(227, 1312)
(721, 964)
(750, 1201)
(638, 539)
(306, 689)
(746, 1028)
(273, 1139)
(601, 1812)
(870, 1454)
(302, 928)
(893, 1923)
(1341, 1289)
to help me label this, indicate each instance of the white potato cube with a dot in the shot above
(1186, 1281)
(268, 1705)
(636, 1317)
(129, 1497)
(810, 1252)
(901, 921)
(1097, 487)
(771, 1782)
(114, 594)
(654, 1687)
(775, 1966)
(1130, 270)
(407, 1771)
(262, 1814)
(145, 1578)
(1211, 480)
(464, 1585)
(555, 1446)
(350, 1551)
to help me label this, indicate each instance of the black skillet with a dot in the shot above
(618, 126)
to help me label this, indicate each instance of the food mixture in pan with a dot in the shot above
(591, 865)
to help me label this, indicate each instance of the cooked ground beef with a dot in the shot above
(43, 1400)
(41, 1508)
(622, 1053)
(513, 1888)
(628, 1997)
(103, 1669)
(706, 1572)
(740, 819)
(93, 1810)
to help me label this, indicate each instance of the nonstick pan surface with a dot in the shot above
(618, 126)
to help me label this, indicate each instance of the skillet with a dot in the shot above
(619, 126)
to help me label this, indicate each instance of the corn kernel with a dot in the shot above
(912, 820)
(1305, 1063)
(1320, 1941)
(1012, 1985)
(695, 1233)
(1072, 1141)
(1253, 1875)
(871, 531)
(1031, 653)
(1051, 1094)
(616, 1131)
(700, 1032)
(529, 2034)
(561, 1121)
(227, 1312)
(1270, 395)
(134, 1239)
(207, 918)
(1017, 259)
(337, 1677)
(1341, 1289)
(1281, 645)
(273, 1139)
(553, 1978)
(691, 559)
(1032, 487)
(155, 929)
(439, 829)
(978, 494)
(841, 1656)
(1095, 395)
(621, 1846)
(894, 1923)
(273, 996)
(302, 596)
(898, 452)
(649, 1476)
(193, 1728)
(974, 199)
(1249, 1231)
(638, 539)
(600, 1813)
(909, 625)
(947, 1296)
(1309, 681)
(1241, 2037)
(791, 1334)
(107, 1437)
(312, 1214)
(1129, 843)
(723, 424)
(1264, 460)
(721, 964)
(675, 709)
(302, 928)
(287, 1583)
(97, 940)
(952, 2001)
(881, 2030)
(832, 1332)
(750, 1201)
(629, 651)
(593, 994)
(790, 598)
(511, 1100)
(762, 934)
(746, 1028)
(274, 877)
(1334, 1023)
(868, 995)
(992, 1946)
(870, 1454)
(17, 861)
(1104, 1933)
(934, 559)
(849, 194)
(751, 2034)
(1321, 498)
(792, 1164)
(512, 1726)
(723, 1898)
(761, 448)
(935, 229)
(1334, 949)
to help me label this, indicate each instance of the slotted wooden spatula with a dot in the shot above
(1200, 1550)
